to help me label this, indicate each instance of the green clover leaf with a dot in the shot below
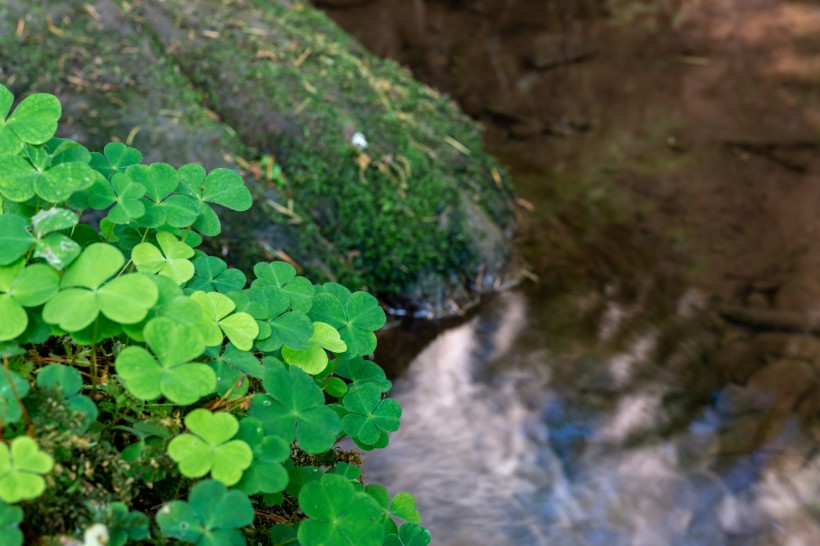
(266, 473)
(10, 519)
(218, 322)
(221, 186)
(172, 374)
(159, 181)
(210, 448)
(57, 249)
(282, 277)
(356, 317)
(339, 516)
(116, 157)
(124, 525)
(360, 371)
(314, 359)
(21, 180)
(369, 416)
(12, 387)
(53, 219)
(403, 506)
(172, 261)
(23, 287)
(291, 328)
(211, 517)
(295, 408)
(15, 239)
(86, 291)
(410, 534)
(231, 366)
(68, 382)
(213, 275)
(128, 199)
(34, 121)
(21, 469)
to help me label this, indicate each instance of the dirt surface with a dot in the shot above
(688, 129)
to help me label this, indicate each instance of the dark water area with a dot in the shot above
(654, 378)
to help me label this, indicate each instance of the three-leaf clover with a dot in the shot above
(369, 416)
(116, 157)
(172, 261)
(161, 207)
(230, 366)
(221, 186)
(266, 473)
(314, 359)
(212, 274)
(128, 204)
(173, 375)
(22, 179)
(218, 321)
(209, 448)
(339, 516)
(69, 382)
(282, 277)
(10, 519)
(124, 525)
(23, 287)
(86, 291)
(34, 121)
(12, 388)
(211, 517)
(295, 408)
(278, 325)
(360, 370)
(21, 468)
(403, 506)
(356, 316)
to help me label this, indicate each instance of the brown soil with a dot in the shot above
(697, 119)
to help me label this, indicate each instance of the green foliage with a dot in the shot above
(135, 366)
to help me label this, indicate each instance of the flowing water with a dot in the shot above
(612, 403)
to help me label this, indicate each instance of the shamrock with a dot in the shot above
(116, 157)
(21, 469)
(69, 383)
(213, 275)
(172, 261)
(356, 316)
(173, 375)
(360, 370)
(295, 407)
(314, 359)
(86, 291)
(12, 387)
(23, 178)
(23, 287)
(159, 181)
(282, 327)
(124, 525)
(57, 249)
(230, 366)
(171, 303)
(221, 186)
(34, 121)
(218, 322)
(403, 506)
(210, 448)
(338, 515)
(265, 474)
(211, 517)
(282, 277)
(128, 204)
(369, 416)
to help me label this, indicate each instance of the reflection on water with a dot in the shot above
(509, 438)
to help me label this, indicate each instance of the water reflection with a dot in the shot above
(504, 440)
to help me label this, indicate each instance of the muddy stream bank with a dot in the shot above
(655, 379)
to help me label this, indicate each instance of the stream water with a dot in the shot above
(626, 411)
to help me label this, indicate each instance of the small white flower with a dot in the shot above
(359, 141)
(96, 535)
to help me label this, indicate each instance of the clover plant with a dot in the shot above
(152, 393)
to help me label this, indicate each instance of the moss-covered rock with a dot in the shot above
(420, 215)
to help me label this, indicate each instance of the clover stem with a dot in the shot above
(94, 356)
(274, 517)
(10, 380)
(110, 231)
